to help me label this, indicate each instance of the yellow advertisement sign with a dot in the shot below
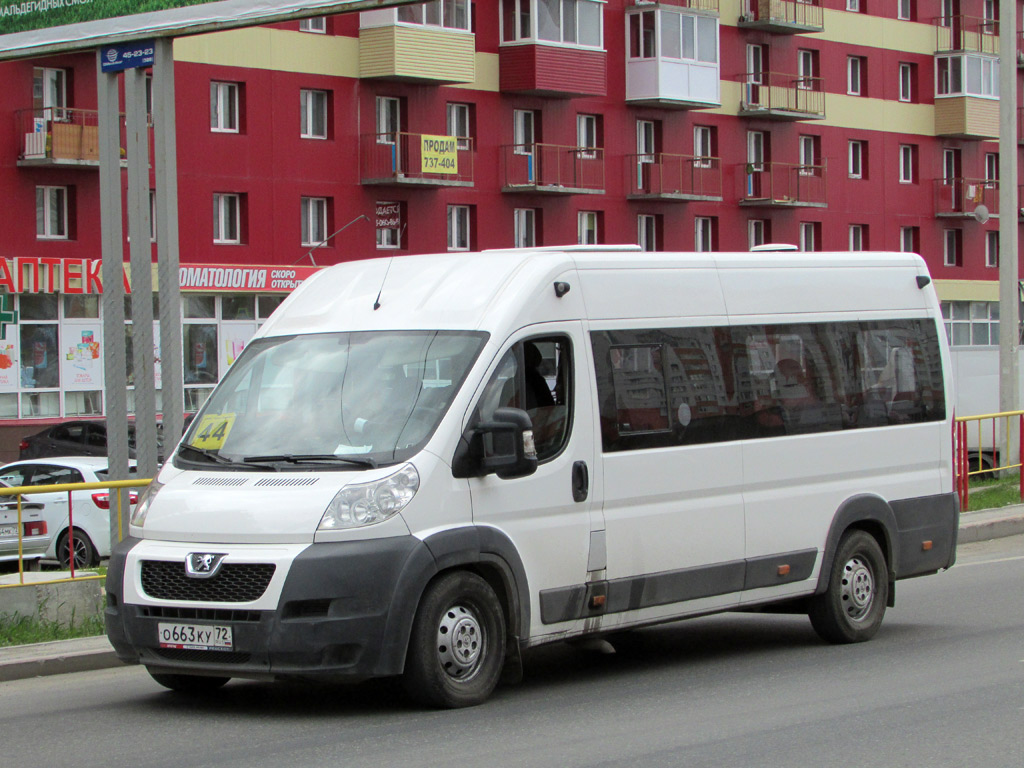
(439, 154)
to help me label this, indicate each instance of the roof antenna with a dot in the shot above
(323, 242)
(376, 303)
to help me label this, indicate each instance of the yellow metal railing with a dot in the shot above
(992, 431)
(115, 486)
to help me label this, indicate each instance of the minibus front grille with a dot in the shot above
(203, 657)
(231, 615)
(233, 583)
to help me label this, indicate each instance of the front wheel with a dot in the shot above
(457, 646)
(851, 608)
(188, 683)
(85, 552)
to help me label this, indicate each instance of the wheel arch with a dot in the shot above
(871, 514)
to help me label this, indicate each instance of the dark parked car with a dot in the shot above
(80, 438)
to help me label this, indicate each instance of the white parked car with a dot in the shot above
(35, 536)
(90, 509)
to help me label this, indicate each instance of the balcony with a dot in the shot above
(552, 70)
(960, 198)
(782, 185)
(416, 159)
(776, 96)
(416, 53)
(57, 136)
(966, 33)
(673, 177)
(782, 16)
(552, 169)
(967, 117)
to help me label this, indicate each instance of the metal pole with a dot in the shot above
(169, 286)
(115, 376)
(142, 271)
(1009, 306)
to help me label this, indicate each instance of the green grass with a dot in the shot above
(21, 630)
(993, 493)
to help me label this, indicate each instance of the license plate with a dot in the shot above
(195, 637)
(8, 530)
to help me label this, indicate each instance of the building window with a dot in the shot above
(854, 75)
(450, 14)
(704, 234)
(905, 10)
(967, 74)
(647, 226)
(227, 219)
(389, 117)
(853, 5)
(703, 145)
(587, 138)
(907, 152)
(858, 237)
(910, 239)
(49, 92)
(971, 322)
(810, 154)
(458, 227)
(683, 36)
(907, 82)
(991, 166)
(571, 22)
(52, 213)
(992, 249)
(458, 122)
(807, 69)
(587, 228)
(810, 236)
(525, 226)
(757, 232)
(856, 163)
(990, 9)
(389, 225)
(314, 114)
(314, 220)
(523, 125)
(224, 107)
(316, 24)
(951, 250)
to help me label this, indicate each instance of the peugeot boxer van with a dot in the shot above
(424, 465)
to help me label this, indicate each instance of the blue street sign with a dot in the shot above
(126, 56)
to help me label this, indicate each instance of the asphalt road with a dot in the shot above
(941, 685)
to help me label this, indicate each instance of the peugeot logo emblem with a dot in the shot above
(202, 565)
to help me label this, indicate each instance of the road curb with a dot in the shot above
(93, 653)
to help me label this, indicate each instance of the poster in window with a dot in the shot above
(81, 358)
(234, 337)
(9, 360)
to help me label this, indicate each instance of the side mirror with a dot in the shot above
(503, 446)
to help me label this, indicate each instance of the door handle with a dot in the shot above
(580, 481)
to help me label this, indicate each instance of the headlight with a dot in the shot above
(145, 499)
(369, 503)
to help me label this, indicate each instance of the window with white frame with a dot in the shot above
(853, 5)
(226, 218)
(389, 224)
(809, 235)
(683, 36)
(224, 107)
(905, 9)
(854, 75)
(52, 213)
(991, 166)
(389, 119)
(316, 24)
(450, 14)
(525, 227)
(704, 234)
(458, 227)
(906, 82)
(49, 92)
(570, 22)
(703, 145)
(458, 119)
(587, 135)
(970, 323)
(314, 220)
(990, 9)
(647, 232)
(313, 105)
(806, 69)
(967, 74)
(909, 239)
(907, 152)
(587, 226)
(855, 155)
(951, 247)
(523, 131)
(809, 154)
(946, 13)
(757, 232)
(992, 248)
(858, 237)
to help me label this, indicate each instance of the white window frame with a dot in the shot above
(49, 92)
(313, 105)
(703, 234)
(388, 238)
(435, 13)
(224, 99)
(529, 11)
(857, 238)
(855, 159)
(314, 24)
(586, 136)
(806, 71)
(51, 213)
(647, 231)
(950, 247)
(756, 232)
(703, 143)
(908, 239)
(906, 82)
(314, 221)
(904, 10)
(457, 118)
(808, 237)
(853, 6)
(587, 226)
(458, 227)
(990, 13)
(227, 207)
(991, 167)
(992, 248)
(906, 163)
(524, 223)
(524, 131)
(389, 119)
(854, 75)
(808, 146)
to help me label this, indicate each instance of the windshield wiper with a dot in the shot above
(301, 458)
(208, 454)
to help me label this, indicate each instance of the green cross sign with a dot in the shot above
(7, 313)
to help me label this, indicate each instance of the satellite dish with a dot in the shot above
(981, 214)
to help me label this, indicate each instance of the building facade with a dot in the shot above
(466, 125)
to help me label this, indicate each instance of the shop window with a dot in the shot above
(267, 305)
(83, 307)
(199, 306)
(200, 353)
(83, 403)
(40, 404)
(38, 306)
(238, 307)
(971, 323)
(40, 365)
(9, 405)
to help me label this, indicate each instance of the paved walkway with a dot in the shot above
(23, 661)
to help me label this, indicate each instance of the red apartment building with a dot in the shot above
(473, 124)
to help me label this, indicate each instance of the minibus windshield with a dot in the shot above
(330, 400)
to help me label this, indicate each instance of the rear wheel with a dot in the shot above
(85, 552)
(457, 646)
(851, 608)
(188, 683)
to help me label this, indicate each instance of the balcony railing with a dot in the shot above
(552, 169)
(782, 97)
(966, 33)
(959, 197)
(60, 136)
(782, 185)
(782, 16)
(659, 176)
(416, 159)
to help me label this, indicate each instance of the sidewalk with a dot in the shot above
(90, 653)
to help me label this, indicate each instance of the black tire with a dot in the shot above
(188, 683)
(457, 645)
(851, 608)
(85, 551)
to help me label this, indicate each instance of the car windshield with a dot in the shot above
(333, 400)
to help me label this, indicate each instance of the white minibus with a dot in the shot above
(424, 465)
